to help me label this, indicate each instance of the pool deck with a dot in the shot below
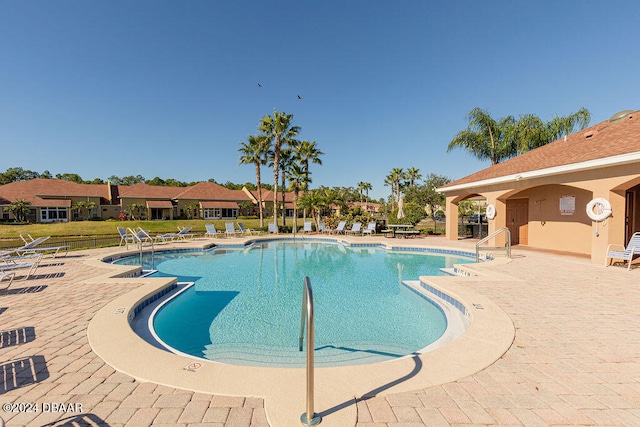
(575, 359)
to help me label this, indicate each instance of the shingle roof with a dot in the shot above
(37, 191)
(605, 139)
(211, 191)
(146, 191)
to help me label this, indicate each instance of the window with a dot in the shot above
(53, 214)
(211, 213)
(229, 212)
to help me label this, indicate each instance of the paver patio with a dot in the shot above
(575, 359)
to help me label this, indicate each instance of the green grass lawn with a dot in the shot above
(108, 228)
(77, 230)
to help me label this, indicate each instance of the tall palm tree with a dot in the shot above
(306, 152)
(413, 175)
(299, 179)
(255, 151)
(388, 182)
(279, 130)
(286, 161)
(366, 186)
(397, 175)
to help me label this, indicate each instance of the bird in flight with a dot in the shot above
(259, 85)
(299, 97)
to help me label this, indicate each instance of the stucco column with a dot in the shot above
(451, 212)
(610, 231)
(500, 221)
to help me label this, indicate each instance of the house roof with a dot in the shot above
(146, 191)
(43, 192)
(617, 141)
(212, 191)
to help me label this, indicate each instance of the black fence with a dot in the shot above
(72, 243)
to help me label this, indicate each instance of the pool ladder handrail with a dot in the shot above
(308, 418)
(506, 248)
(137, 239)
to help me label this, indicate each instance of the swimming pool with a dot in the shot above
(244, 305)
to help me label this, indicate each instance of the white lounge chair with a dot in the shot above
(230, 229)
(10, 263)
(273, 228)
(307, 227)
(184, 233)
(9, 275)
(212, 232)
(323, 228)
(356, 228)
(371, 228)
(626, 254)
(246, 231)
(340, 228)
(31, 246)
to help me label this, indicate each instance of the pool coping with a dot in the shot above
(337, 389)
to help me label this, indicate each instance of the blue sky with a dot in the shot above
(170, 88)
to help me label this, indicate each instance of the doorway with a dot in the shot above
(518, 220)
(632, 213)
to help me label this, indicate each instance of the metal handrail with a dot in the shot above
(507, 247)
(308, 418)
(138, 239)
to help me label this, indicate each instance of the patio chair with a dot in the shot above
(323, 228)
(184, 233)
(10, 263)
(9, 275)
(31, 247)
(140, 236)
(246, 231)
(356, 228)
(307, 227)
(340, 228)
(273, 228)
(371, 228)
(628, 254)
(212, 232)
(125, 237)
(230, 229)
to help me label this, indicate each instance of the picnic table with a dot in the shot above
(400, 230)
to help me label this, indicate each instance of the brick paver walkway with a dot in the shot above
(575, 359)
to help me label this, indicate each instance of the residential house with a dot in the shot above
(53, 200)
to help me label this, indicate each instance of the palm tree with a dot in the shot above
(388, 182)
(396, 175)
(306, 152)
(299, 178)
(135, 208)
(313, 202)
(558, 127)
(366, 187)
(279, 130)
(485, 137)
(20, 209)
(286, 161)
(413, 175)
(255, 151)
(81, 206)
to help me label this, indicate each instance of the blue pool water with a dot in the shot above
(245, 304)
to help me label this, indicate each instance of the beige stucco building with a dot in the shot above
(542, 196)
(55, 200)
